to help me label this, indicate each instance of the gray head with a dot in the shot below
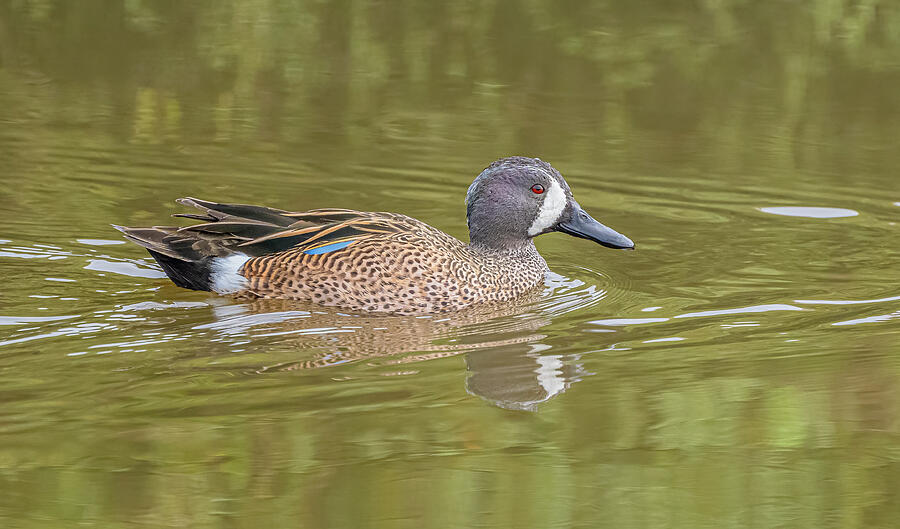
(516, 199)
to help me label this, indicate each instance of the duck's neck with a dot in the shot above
(517, 248)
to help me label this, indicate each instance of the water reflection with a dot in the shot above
(520, 378)
(127, 402)
(325, 74)
(810, 212)
(506, 361)
(351, 337)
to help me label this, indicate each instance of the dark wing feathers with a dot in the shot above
(255, 230)
(218, 212)
(246, 231)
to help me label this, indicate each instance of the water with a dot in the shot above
(740, 368)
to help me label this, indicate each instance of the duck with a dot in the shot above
(379, 262)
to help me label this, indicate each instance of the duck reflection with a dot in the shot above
(506, 362)
(520, 378)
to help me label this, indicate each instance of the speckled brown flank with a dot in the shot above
(412, 269)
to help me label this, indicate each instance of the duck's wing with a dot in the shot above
(323, 230)
(259, 230)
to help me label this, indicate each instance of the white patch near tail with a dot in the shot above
(553, 206)
(225, 276)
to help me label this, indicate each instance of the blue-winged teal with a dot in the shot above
(379, 262)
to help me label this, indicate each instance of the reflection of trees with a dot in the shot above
(679, 438)
(557, 75)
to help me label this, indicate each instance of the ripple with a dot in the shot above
(36, 251)
(810, 212)
(243, 323)
(619, 322)
(125, 268)
(615, 322)
(99, 242)
(153, 305)
(844, 301)
(563, 294)
(740, 310)
(870, 319)
(23, 320)
(669, 339)
(73, 330)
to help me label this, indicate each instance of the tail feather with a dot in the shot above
(194, 275)
(243, 212)
(177, 256)
(186, 254)
(169, 242)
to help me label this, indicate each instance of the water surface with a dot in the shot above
(741, 368)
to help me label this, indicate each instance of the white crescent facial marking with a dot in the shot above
(553, 206)
(224, 274)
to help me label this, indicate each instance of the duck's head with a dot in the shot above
(516, 199)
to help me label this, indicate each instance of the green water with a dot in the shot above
(740, 369)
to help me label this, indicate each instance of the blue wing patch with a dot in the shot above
(328, 247)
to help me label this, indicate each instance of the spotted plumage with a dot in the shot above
(376, 261)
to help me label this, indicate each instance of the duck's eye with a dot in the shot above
(537, 189)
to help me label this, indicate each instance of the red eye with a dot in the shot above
(537, 189)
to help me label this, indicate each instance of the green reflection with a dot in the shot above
(677, 120)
